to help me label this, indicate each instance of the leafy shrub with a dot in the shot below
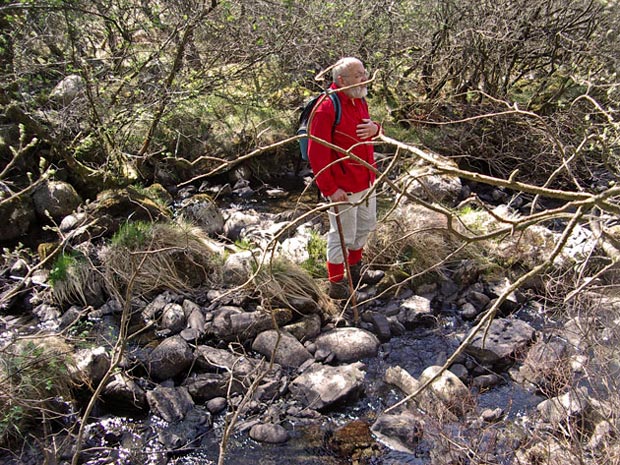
(33, 373)
(316, 261)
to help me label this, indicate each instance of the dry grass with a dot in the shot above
(412, 239)
(81, 282)
(174, 256)
(282, 282)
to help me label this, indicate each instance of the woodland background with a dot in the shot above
(521, 96)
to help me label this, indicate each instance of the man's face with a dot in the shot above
(355, 74)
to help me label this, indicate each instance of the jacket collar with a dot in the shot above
(341, 95)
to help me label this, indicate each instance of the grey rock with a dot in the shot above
(348, 344)
(203, 211)
(305, 329)
(206, 386)
(380, 325)
(91, 365)
(401, 432)
(468, 311)
(18, 215)
(223, 361)
(68, 89)
(486, 381)
(173, 318)
(416, 311)
(321, 386)
(504, 339)
(232, 325)
(216, 405)
(123, 392)
(155, 308)
(460, 371)
(270, 433)
(184, 431)
(56, 199)
(571, 406)
(491, 415)
(281, 347)
(237, 268)
(547, 364)
(170, 358)
(170, 403)
(449, 389)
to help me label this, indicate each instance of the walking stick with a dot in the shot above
(347, 266)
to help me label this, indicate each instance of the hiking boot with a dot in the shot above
(340, 291)
(368, 277)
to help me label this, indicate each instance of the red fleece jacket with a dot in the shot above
(348, 174)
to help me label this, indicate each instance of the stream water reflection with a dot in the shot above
(413, 351)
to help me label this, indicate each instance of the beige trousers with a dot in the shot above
(358, 219)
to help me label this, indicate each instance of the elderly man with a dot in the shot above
(343, 179)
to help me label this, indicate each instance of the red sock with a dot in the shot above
(335, 272)
(355, 256)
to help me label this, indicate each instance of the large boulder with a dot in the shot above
(401, 432)
(505, 340)
(113, 207)
(56, 199)
(448, 388)
(204, 212)
(170, 358)
(321, 386)
(416, 311)
(68, 89)
(171, 404)
(349, 344)
(123, 393)
(230, 323)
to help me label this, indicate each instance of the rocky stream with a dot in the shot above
(209, 364)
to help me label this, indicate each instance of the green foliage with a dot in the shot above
(243, 244)
(316, 261)
(32, 372)
(132, 234)
(62, 264)
(81, 333)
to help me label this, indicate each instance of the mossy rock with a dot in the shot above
(116, 206)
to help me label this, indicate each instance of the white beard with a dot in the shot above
(357, 92)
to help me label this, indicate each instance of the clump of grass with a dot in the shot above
(60, 268)
(132, 234)
(74, 279)
(412, 240)
(33, 373)
(149, 257)
(282, 282)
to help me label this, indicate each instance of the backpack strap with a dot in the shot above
(337, 109)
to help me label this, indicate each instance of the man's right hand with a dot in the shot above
(339, 196)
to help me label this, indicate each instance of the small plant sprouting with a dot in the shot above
(132, 234)
(60, 269)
